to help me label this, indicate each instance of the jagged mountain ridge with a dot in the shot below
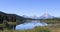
(46, 15)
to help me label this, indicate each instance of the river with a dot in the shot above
(30, 24)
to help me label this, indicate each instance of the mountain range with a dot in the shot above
(44, 16)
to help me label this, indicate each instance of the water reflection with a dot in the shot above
(30, 25)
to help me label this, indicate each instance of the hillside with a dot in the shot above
(10, 20)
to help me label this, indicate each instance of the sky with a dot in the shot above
(31, 7)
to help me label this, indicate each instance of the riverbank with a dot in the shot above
(55, 28)
(36, 29)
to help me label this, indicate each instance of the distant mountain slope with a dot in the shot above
(46, 15)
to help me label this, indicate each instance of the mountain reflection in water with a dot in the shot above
(30, 25)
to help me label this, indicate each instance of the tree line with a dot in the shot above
(10, 20)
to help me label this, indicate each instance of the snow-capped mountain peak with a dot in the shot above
(46, 15)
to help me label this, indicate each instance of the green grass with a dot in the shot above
(36, 29)
(54, 28)
(2, 25)
(12, 23)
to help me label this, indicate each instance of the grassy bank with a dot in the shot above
(51, 28)
(36, 29)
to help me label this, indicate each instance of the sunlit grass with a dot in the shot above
(12, 23)
(1, 25)
(36, 29)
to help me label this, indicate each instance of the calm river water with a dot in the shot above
(30, 24)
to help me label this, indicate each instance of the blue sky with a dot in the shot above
(31, 7)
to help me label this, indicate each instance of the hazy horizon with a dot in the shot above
(31, 7)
